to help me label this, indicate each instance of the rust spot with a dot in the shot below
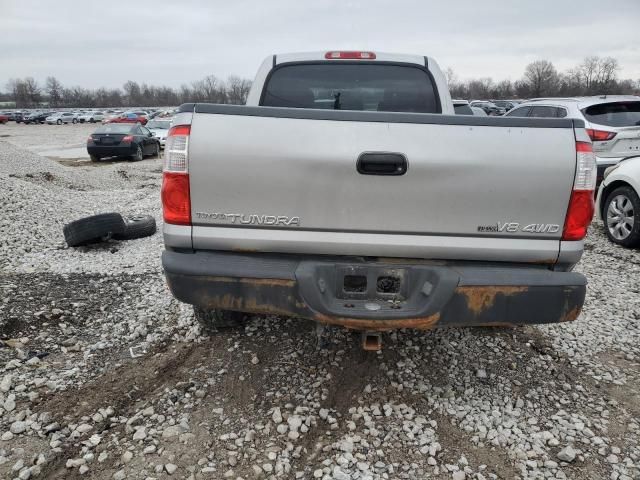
(571, 315)
(269, 282)
(379, 325)
(480, 299)
(246, 302)
(245, 250)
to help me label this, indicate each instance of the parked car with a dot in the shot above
(4, 118)
(91, 117)
(17, 116)
(247, 192)
(160, 128)
(128, 117)
(61, 117)
(506, 104)
(488, 107)
(9, 114)
(35, 117)
(122, 140)
(618, 202)
(612, 123)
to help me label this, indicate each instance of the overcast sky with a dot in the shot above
(94, 44)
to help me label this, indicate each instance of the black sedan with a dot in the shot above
(36, 117)
(122, 140)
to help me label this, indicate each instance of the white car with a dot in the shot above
(62, 117)
(91, 117)
(160, 128)
(612, 122)
(618, 202)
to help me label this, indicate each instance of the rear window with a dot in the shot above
(615, 114)
(114, 128)
(342, 86)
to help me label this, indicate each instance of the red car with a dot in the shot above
(3, 118)
(129, 118)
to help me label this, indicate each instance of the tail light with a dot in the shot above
(90, 139)
(127, 139)
(600, 135)
(176, 198)
(350, 56)
(581, 208)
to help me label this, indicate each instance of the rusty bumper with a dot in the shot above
(423, 294)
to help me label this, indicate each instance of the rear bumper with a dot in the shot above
(422, 295)
(112, 151)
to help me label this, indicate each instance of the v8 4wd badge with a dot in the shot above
(514, 227)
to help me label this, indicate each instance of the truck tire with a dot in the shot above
(621, 214)
(214, 319)
(92, 229)
(94, 158)
(137, 227)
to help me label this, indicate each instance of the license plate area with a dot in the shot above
(374, 290)
(369, 282)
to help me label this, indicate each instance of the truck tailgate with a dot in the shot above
(271, 183)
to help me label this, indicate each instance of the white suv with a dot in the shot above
(612, 122)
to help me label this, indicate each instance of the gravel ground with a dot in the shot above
(103, 375)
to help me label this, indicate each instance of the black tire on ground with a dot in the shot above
(94, 158)
(214, 319)
(94, 228)
(137, 227)
(631, 240)
(156, 151)
(136, 157)
(59, 122)
(74, 121)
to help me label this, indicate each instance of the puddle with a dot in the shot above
(66, 153)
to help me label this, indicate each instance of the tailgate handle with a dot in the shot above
(382, 163)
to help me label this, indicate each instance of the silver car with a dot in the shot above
(612, 122)
(160, 128)
(91, 117)
(62, 117)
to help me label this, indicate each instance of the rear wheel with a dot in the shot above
(215, 319)
(136, 157)
(156, 150)
(94, 158)
(74, 121)
(59, 122)
(622, 217)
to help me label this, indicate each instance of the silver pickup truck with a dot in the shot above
(346, 191)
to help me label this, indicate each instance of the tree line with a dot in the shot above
(594, 76)
(28, 93)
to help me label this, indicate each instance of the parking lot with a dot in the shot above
(104, 375)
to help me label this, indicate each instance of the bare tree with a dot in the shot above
(237, 89)
(54, 90)
(542, 78)
(132, 92)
